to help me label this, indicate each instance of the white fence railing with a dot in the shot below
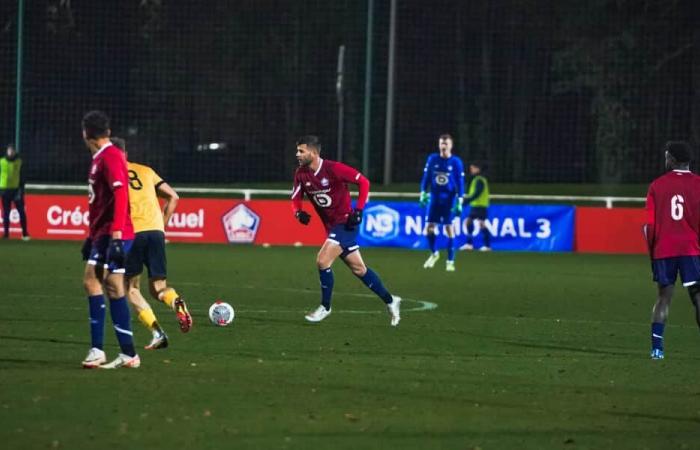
(248, 194)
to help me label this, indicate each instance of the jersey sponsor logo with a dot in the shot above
(91, 192)
(322, 200)
(380, 223)
(442, 178)
(241, 224)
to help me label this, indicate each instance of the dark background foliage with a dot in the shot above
(546, 91)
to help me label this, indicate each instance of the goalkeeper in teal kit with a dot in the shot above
(444, 176)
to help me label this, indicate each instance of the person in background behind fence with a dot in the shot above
(12, 188)
(478, 200)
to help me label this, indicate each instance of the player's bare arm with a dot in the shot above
(171, 200)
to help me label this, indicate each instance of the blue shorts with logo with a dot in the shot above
(98, 254)
(347, 239)
(665, 270)
(440, 212)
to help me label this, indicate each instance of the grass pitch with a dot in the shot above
(523, 351)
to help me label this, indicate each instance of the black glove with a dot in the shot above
(115, 253)
(86, 249)
(354, 219)
(303, 217)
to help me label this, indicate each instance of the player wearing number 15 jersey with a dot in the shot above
(672, 232)
(325, 183)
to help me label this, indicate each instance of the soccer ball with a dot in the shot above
(221, 313)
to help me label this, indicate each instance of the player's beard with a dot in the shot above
(303, 162)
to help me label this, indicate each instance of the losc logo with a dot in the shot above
(241, 224)
(380, 223)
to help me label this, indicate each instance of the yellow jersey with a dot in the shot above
(143, 199)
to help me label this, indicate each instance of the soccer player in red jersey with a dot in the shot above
(673, 236)
(110, 237)
(325, 183)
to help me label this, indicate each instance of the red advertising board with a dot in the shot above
(206, 220)
(196, 220)
(616, 230)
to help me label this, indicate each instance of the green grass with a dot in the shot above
(523, 351)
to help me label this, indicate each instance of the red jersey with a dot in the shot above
(328, 191)
(108, 194)
(673, 215)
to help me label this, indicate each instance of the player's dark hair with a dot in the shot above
(119, 142)
(446, 136)
(482, 165)
(680, 150)
(96, 125)
(310, 140)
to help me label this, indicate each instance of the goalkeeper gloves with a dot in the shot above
(354, 219)
(457, 208)
(424, 197)
(115, 253)
(86, 249)
(303, 217)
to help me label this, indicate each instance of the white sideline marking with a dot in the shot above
(184, 234)
(423, 305)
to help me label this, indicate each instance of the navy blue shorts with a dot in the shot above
(478, 212)
(666, 269)
(440, 212)
(98, 253)
(347, 239)
(148, 250)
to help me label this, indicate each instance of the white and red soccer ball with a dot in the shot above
(221, 313)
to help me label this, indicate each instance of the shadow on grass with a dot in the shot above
(592, 351)
(43, 339)
(654, 416)
(7, 363)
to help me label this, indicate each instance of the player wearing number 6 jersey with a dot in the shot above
(672, 232)
(325, 183)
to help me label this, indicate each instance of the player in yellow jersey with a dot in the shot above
(145, 187)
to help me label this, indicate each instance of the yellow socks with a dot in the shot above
(168, 296)
(147, 318)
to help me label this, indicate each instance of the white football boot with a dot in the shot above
(94, 358)
(394, 309)
(485, 249)
(126, 361)
(318, 315)
(432, 259)
(450, 266)
(159, 341)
